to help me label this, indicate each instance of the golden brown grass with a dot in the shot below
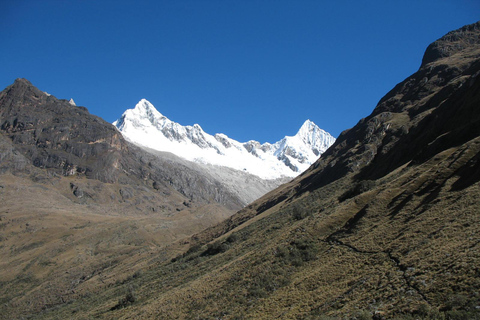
(56, 248)
(401, 257)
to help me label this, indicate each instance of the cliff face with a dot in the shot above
(461, 40)
(56, 135)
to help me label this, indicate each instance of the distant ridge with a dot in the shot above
(144, 125)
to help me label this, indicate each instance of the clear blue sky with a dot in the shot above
(249, 69)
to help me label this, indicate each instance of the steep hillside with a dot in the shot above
(77, 201)
(384, 225)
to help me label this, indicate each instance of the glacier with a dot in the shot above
(144, 125)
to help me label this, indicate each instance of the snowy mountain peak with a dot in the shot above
(317, 138)
(309, 132)
(145, 109)
(307, 124)
(144, 125)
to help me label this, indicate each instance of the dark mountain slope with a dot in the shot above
(439, 100)
(384, 225)
(68, 141)
(434, 109)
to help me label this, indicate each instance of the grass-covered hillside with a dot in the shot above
(384, 225)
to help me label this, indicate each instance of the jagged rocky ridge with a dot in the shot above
(144, 125)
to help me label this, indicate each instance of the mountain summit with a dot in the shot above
(145, 126)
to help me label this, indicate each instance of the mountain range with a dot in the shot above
(384, 225)
(145, 126)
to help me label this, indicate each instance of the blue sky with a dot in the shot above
(249, 69)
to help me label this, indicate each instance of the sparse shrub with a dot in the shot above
(275, 227)
(363, 315)
(460, 306)
(215, 248)
(239, 316)
(425, 311)
(456, 301)
(25, 277)
(299, 214)
(356, 190)
(281, 252)
(257, 292)
(137, 274)
(462, 314)
(129, 298)
(193, 249)
(190, 254)
(298, 252)
(265, 281)
(232, 238)
(316, 314)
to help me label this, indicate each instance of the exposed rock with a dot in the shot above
(77, 191)
(453, 42)
(126, 193)
(52, 134)
(412, 116)
(56, 135)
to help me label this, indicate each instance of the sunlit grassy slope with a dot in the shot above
(384, 225)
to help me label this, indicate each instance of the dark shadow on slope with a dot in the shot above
(403, 199)
(469, 174)
(349, 225)
(451, 124)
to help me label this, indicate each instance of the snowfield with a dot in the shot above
(145, 126)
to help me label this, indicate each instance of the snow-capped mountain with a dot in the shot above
(145, 126)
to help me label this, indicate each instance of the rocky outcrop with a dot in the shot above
(56, 135)
(439, 100)
(452, 43)
(66, 140)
